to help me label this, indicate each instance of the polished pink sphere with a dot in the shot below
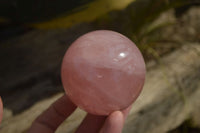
(103, 71)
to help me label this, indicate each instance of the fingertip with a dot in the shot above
(114, 123)
(1, 109)
(116, 116)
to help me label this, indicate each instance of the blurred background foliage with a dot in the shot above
(57, 14)
(133, 18)
(130, 17)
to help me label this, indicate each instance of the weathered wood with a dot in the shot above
(170, 96)
(169, 93)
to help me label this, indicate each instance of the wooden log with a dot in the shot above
(170, 96)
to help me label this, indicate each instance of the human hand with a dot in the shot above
(1, 110)
(50, 119)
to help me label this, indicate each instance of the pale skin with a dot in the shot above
(1, 110)
(51, 118)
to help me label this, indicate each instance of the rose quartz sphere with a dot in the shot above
(1, 110)
(103, 71)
